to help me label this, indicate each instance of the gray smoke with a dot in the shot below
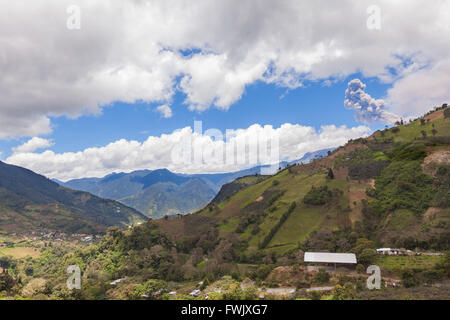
(367, 109)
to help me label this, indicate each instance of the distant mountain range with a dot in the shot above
(29, 201)
(161, 192)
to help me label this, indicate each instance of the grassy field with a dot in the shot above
(397, 264)
(303, 220)
(298, 226)
(414, 130)
(20, 252)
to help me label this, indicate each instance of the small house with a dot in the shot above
(390, 251)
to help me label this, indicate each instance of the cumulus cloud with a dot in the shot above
(426, 88)
(208, 50)
(165, 111)
(32, 145)
(293, 142)
(367, 109)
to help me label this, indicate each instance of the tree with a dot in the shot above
(367, 256)
(434, 132)
(7, 262)
(330, 174)
(424, 134)
(29, 269)
(262, 272)
(422, 121)
(6, 281)
(447, 113)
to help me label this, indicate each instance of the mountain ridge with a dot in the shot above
(129, 188)
(29, 197)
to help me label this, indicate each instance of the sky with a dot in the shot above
(94, 87)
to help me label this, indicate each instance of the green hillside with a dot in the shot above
(391, 189)
(30, 202)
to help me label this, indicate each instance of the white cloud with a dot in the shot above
(425, 88)
(367, 109)
(156, 152)
(130, 51)
(165, 111)
(32, 145)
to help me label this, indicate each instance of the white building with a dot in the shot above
(390, 251)
(330, 258)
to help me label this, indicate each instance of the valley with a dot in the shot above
(248, 241)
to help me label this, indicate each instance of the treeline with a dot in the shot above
(275, 228)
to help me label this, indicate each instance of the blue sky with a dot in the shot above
(262, 69)
(314, 105)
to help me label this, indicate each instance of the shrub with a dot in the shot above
(408, 279)
(360, 268)
(322, 276)
(250, 293)
(315, 295)
(330, 174)
(318, 196)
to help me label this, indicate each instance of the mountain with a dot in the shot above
(392, 188)
(114, 186)
(168, 198)
(29, 201)
(161, 192)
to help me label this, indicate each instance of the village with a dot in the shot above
(53, 236)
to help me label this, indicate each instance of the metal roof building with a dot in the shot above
(327, 257)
